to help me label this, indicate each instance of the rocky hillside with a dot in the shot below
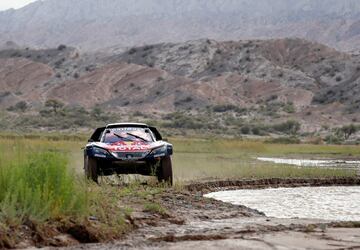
(119, 23)
(283, 65)
(261, 80)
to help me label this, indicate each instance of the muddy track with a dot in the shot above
(196, 222)
(193, 221)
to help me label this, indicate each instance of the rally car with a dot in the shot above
(128, 148)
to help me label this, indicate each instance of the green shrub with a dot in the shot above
(288, 127)
(289, 108)
(333, 139)
(245, 130)
(21, 106)
(154, 208)
(256, 130)
(347, 130)
(54, 105)
(40, 188)
(228, 107)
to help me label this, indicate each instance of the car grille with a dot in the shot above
(130, 155)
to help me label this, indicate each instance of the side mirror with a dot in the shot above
(91, 140)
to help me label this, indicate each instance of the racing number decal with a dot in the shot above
(130, 146)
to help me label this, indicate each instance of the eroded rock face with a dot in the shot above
(128, 23)
(22, 79)
(315, 80)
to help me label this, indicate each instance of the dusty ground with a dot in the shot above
(240, 233)
(192, 221)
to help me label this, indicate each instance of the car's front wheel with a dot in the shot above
(165, 171)
(91, 168)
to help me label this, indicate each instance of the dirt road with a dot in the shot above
(194, 222)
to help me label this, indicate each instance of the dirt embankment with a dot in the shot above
(272, 183)
(185, 219)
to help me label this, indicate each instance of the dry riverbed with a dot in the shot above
(184, 219)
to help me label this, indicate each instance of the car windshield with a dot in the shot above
(116, 135)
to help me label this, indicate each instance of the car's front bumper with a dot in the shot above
(145, 166)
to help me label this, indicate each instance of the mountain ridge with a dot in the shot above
(121, 23)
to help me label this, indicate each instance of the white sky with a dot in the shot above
(7, 4)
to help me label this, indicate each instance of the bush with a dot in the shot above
(346, 131)
(132, 51)
(181, 120)
(245, 130)
(61, 47)
(39, 189)
(227, 107)
(288, 127)
(256, 130)
(289, 108)
(183, 101)
(333, 139)
(20, 106)
(54, 105)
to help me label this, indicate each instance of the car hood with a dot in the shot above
(133, 146)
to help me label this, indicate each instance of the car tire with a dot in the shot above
(165, 172)
(91, 168)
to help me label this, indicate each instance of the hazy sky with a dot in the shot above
(7, 4)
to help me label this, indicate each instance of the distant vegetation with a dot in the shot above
(220, 120)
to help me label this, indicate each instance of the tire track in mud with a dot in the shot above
(210, 224)
(193, 221)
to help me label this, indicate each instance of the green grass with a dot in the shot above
(203, 159)
(39, 188)
(154, 208)
(196, 159)
(42, 179)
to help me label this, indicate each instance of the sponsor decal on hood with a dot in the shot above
(130, 146)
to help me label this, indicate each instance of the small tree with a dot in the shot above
(347, 131)
(288, 127)
(21, 106)
(54, 105)
(245, 130)
(96, 112)
(61, 47)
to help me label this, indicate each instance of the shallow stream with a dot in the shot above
(328, 203)
(332, 163)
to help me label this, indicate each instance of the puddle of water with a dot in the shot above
(314, 163)
(327, 203)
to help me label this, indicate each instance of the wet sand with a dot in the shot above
(195, 222)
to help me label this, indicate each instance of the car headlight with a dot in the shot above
(161, 151)
(100, 152)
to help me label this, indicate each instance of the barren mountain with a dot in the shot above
(272, 79)
(119, 23)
